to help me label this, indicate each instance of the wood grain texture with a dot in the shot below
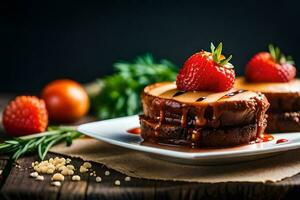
(3, 169)
(19, 185)
(71, 189)
(133, 189)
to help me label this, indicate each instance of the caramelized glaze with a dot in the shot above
(266, 87)
(167, 90)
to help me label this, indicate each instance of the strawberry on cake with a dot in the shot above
(273, 74)
(202, 109)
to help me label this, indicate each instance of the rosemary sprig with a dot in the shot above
(40, 143)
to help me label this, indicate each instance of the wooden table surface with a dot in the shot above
(15, 183)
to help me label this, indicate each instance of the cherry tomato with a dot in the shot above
(66, 100)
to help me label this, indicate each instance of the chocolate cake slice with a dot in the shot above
(284, 98)
(201, 119)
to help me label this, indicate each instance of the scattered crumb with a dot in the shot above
(65, 172)
(39, 178)
(34, 174)
(83, 169)
(71, 167)
(68, 160)
(58, 177)
(70, 172)
(107, 173)
(98, 179)
(75, 178)
(56, 183)
(50, 171)
(87, 165)
(62, 168)
(117, 182)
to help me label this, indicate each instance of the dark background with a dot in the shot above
(42, 41)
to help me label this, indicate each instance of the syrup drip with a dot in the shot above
(184, 117)
(281, 141)
(261, 108)
(200, 99)
(135, 131)
(178, 93)
(195, 138)
(200, 120)
(161, 117)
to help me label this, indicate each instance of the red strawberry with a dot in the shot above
(270, 66)
(205, 71)
(25, 115)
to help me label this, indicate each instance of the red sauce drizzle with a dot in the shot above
(281, 141)
(264, 138)
(135, 131)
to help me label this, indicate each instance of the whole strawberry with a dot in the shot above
(25, 115)
(206, 71)
(270, 66)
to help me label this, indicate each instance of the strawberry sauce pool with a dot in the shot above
(279, 141)
(135, 131)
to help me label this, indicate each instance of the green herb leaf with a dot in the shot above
(41, 143)
(226, 61)
(120, 93)
(217, 54)
(212, 48)
(272, 51)
(279, 57)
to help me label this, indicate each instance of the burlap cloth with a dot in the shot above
(141, 165)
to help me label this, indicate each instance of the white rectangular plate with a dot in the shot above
(114, 131)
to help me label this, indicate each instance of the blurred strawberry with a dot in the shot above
(25, 115)
(270, 66)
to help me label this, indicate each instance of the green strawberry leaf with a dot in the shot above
(279, 57)
(217, 54)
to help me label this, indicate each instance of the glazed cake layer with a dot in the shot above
(283, 122)
(284, 98)
(166, 109)
(197, 137)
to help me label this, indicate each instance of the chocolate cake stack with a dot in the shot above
(284, 98)
(202, 118)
